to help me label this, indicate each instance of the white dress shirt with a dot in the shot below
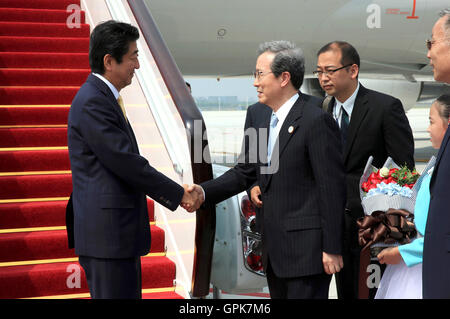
(347, 105)
(282, 113)
(109, 84)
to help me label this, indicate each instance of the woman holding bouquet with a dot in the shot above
(402, 278)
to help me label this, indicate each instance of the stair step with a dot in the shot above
(34, 115)
(35, 186)
(31, 29)
(152, 293)
(43, 214)
(34, 246)
(37, 95)
(46, 60)
(38, 4)
(43, 44)
(43, 77)
(51, 279)
(52, 244)
(25, 161)
(38, 15)
(33, 137)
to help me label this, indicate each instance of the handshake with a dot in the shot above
(193, 197)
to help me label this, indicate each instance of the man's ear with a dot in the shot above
(354, 69)
(107, 62)
(285, 78)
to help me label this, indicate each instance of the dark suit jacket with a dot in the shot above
(110, 178)
(379, 128)
(436, 250)
(303, 202)
(256, 114)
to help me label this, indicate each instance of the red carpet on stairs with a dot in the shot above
(28, 115)
(43, 77)
(42, 65)
(44, 60)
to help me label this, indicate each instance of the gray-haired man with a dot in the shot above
(436, 250)
(304, 197)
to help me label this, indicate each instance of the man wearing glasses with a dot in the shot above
(436, 250)
(372, 124)
(300, 174)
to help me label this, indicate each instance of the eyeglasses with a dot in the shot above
(430, 43)
(259, 74)
(330, 72)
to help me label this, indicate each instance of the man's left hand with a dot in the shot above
(332, 263)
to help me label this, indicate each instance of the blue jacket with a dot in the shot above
(412, 253)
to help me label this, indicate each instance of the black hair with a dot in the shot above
(349, 53)
(444, 106)
(110, 37)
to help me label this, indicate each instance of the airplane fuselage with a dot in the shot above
(220, 38)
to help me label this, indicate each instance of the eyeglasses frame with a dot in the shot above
(330, 72)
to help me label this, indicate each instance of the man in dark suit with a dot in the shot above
(436, 250)
(107, 215)
(372, 124)
(302, 185)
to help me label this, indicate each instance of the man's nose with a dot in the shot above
(256, 82)
(324, 79)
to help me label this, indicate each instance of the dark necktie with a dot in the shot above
(344, 125)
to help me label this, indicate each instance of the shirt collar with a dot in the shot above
(109, 84)
(350, 102)
(283, 111)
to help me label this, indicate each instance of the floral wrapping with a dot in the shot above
(388, 198)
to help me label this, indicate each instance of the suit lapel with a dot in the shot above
(107, 92)
(291, 120)
(360, 109)
(287, 130)
(133, 137)
(330, 106)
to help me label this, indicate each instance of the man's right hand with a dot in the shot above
(193, 197)
(255, 194)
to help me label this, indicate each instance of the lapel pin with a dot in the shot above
(290, 129)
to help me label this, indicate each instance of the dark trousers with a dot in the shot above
(348, 278)
(113, 278)
(307, 287)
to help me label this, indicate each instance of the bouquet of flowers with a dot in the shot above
(388, 187)
(388, 197)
